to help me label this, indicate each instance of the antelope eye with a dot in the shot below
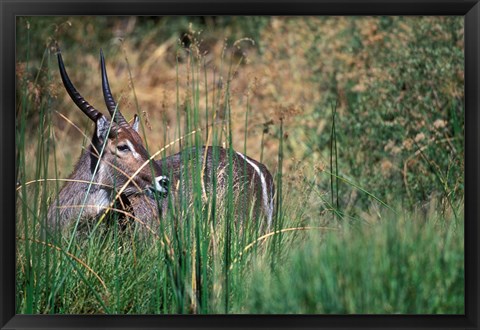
(123, 147)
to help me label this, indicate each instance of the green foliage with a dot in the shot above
(398, 82)
(394, 266)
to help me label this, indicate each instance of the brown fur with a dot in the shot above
(115, 168)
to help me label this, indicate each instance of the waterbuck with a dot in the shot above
(116, 161)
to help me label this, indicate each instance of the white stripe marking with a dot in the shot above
(268, 208)
(134, 152)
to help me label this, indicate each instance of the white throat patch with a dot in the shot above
(101, 200)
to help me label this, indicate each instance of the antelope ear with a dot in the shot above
(101, 129)
(136, 123)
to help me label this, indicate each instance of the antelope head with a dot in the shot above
(117, 148)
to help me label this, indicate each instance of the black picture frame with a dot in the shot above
(10, 9)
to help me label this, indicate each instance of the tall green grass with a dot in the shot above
(339, 244)
(395, 265)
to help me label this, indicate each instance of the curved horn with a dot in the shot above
(90, 111)
(107, 94)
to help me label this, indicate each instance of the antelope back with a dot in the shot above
(252, 186)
